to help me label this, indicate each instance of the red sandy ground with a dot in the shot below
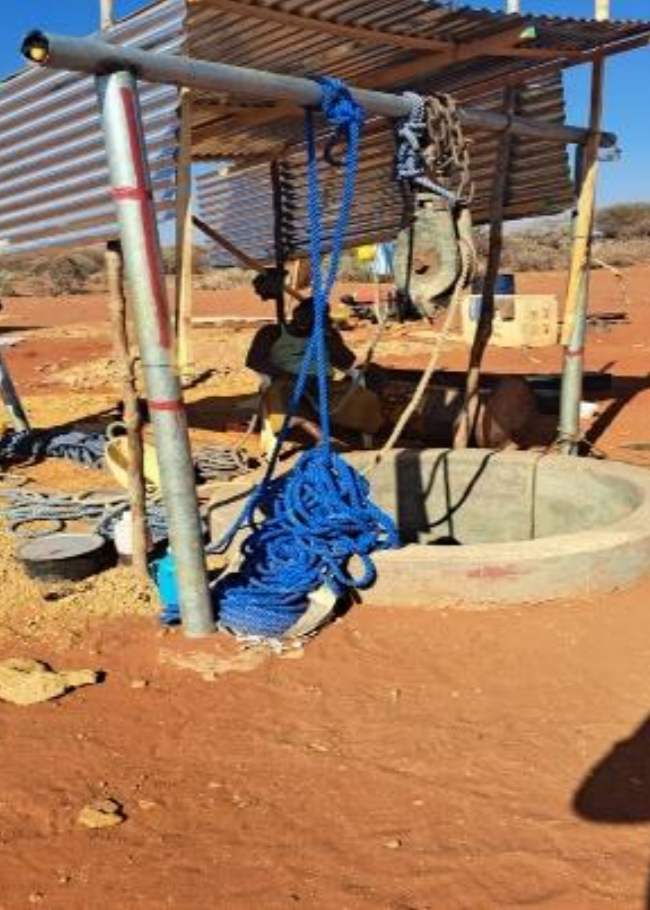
(409, 760)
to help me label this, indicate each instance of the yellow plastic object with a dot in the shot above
(339, 314)
(116, 456)
(366, 253)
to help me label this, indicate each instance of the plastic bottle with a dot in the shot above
(164, 574)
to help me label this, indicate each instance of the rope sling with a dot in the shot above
(308, 525)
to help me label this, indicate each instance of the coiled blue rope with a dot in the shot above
(318, 517)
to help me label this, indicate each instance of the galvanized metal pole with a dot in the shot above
(88, 55)
(11, 400)
(577, 304)
(131, 186)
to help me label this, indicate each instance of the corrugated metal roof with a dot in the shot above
(52, 149)
(383, 44)
(240, 204)
(53, 174)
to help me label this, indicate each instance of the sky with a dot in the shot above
(627, 76)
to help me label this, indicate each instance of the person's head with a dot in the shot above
(302, 318)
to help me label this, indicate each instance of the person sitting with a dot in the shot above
(277, 351)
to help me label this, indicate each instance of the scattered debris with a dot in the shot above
(103, 813)
(394, 843)
(212, 666)
(24, 681)
(139, 683)
(602, 322)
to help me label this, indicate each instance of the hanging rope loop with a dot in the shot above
(342, 113)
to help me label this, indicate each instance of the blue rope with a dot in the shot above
(317, 517)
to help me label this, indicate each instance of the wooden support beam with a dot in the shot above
(501, 44)
(184, 243)
(278, 236)
(106, 14)
(321, 25)
(601, 10)
(577, 300)
(581, 248)
(137, 492)
(467, 422)
(247, 261)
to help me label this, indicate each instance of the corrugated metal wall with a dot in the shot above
(240, 204)
(53, 173)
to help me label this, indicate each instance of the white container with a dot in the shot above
(123, 536)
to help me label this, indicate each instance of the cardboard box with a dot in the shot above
(520, 320)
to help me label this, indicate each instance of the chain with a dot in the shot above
(446, 153)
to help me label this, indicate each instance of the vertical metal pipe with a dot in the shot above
(576, 310)
(11, 400)
(132, 192)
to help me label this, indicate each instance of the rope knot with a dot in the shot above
(342, 112)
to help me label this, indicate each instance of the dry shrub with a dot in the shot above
(66, 275)
(6, 284)
(626, 221)
(225, 279)
(621, 253)
(200, 260)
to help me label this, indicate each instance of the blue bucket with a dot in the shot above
(505, 284)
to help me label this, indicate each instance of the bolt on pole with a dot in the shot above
(132, 191)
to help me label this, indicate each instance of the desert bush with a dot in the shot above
(65, 275)
(621, 253)
(6, 284)
(225, 279)
(200, 260)
(624, 221)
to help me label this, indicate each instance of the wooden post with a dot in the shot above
(137, 492)
(184, 242)
(581, 248)
(469, 415)
(601, 10)
(247, 261)
(299, 277)
(577, 299)
(278, 236)
(106, 14)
